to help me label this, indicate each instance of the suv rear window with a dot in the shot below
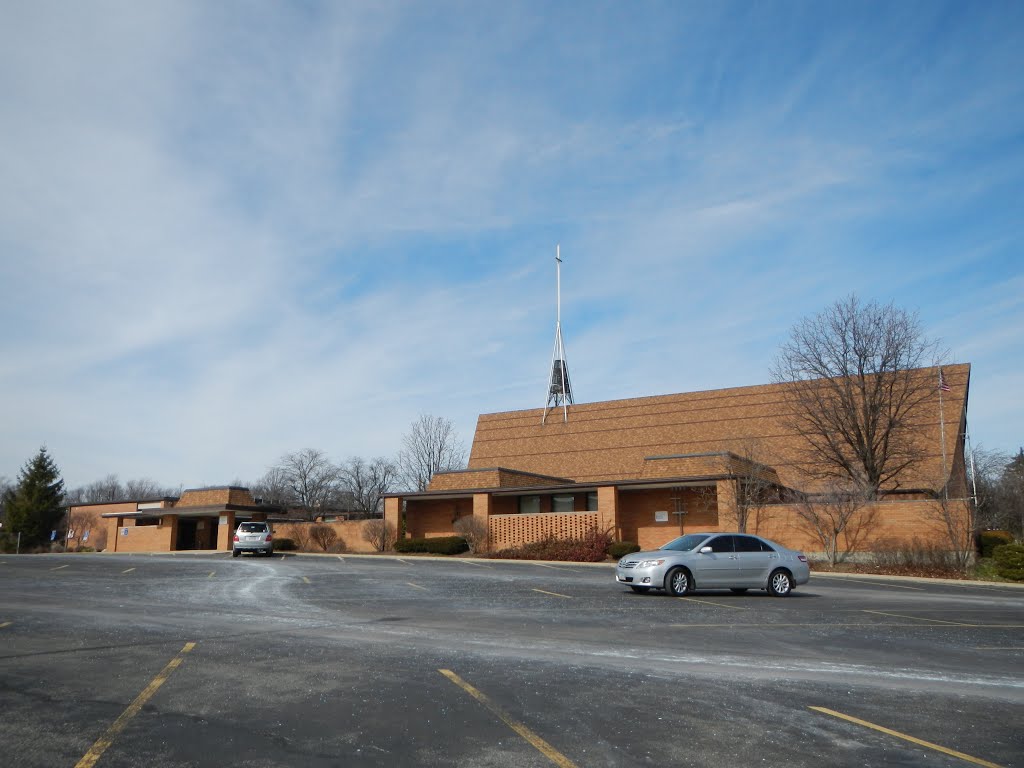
(252, 527)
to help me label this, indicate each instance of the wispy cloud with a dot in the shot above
(229, 231)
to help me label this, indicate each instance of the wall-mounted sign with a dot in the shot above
(223, 520)
(661, 516)
(124, 531)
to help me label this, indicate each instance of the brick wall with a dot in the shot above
(349, 531)
(513, 530)
(637, 514)
(139, 538)
(429, 518)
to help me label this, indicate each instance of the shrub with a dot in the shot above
(1010, 561)
(618, 549)
(474, 531)
(442, 545)
(284, 545)
(590, 548)
(989, 540)
(379, 533)
(913, 554)
(323, 536)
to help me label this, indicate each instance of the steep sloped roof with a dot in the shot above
(610, 440)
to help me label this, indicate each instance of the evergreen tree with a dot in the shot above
(35, 506)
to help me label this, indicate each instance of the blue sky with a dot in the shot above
(230, 230)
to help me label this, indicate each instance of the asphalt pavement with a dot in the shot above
(205, 660)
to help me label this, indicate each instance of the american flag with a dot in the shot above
(942, 382)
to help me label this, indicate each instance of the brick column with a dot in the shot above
(482, 512)
(113, 530)
(393, 513)
(725, 490)
(608, 510)
(225, 530)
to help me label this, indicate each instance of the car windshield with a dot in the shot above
(688, 542)
(253, 527)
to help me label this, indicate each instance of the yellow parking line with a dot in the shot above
(401, 560)
(306, 580)
(129, 570)
(58, 567)
(905, 737)
(212, 573)
(710, 602)
(478, 565)
(417, 586)
(556, 594)
(920, 618)
(536, 741)
(341, 558)
(5, 624)
(97, 749)
(977, 647)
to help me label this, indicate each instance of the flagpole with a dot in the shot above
(974, 474)
(942, 438)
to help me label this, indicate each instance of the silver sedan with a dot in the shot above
(736, 561)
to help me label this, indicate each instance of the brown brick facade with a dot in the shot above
(650, 459)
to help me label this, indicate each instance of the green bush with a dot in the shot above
(284, 545)
(618, 549)
(1010, 561)
(590, 548)
(989, 540)
(441, 545)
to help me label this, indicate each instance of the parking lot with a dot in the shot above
(181, 660)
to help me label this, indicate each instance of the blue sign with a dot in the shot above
(53, 535)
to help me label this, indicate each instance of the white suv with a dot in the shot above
(253, 537)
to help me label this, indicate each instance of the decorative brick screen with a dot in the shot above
(512, 530)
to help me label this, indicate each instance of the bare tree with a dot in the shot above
(323, 536)
(368, 481)
(1011, 495)
(840, 519)
(273, 488)
(756, 486)
(312, 481)
(379, 533)
(474, 531)
(985, 470)
(431, 445)
(854, 392)
(109, 490)
(147, 488)
(956, 520)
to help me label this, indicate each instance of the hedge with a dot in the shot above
(1010, 561)
(619, 549)
(989, 540)
(441, 545)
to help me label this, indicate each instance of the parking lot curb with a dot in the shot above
(916, 579)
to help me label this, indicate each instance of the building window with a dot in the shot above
(563, 503)
(529, 505)
(592, 501)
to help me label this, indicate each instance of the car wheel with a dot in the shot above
(677, 582)
(738, 590)
(235, 553)
(641, 590)
(780, 583)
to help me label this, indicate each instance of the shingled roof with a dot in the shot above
(613, 440)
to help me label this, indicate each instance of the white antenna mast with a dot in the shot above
(559, 389)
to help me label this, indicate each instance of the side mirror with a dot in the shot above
(706, 550)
